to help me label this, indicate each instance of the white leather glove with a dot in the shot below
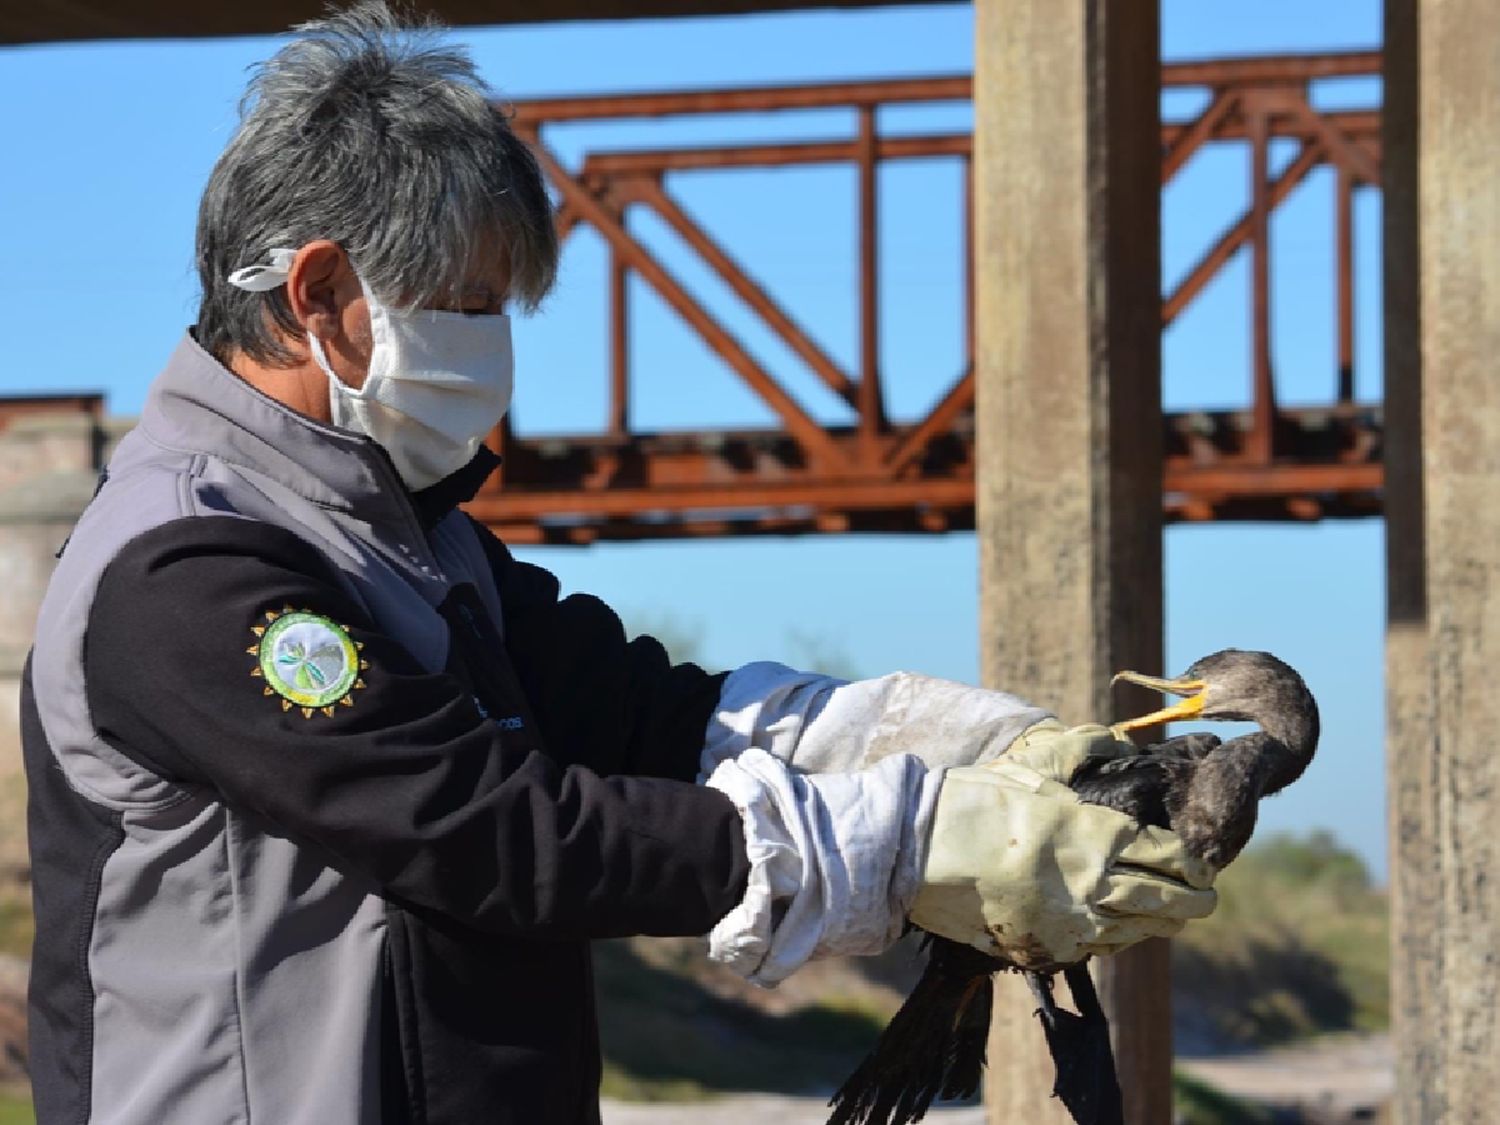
(1018, 867)
(1056, 752)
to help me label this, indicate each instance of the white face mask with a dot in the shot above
(438, 381)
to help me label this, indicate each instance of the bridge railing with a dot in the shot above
(1263, 462)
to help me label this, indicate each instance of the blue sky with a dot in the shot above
(108, 147)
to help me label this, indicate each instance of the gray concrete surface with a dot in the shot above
(1067, 183)
(1442, 107)
(1337, 1077)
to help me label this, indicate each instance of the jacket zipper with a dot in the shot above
(396, 487)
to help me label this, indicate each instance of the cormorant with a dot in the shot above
(1204, 790)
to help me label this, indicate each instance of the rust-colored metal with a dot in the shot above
(649, 190)
(1344, 250)
(1212, 73)
(1339, 141)
(589, 208)
(1236, 236)
(619, 329)
(745, 99)
(655, 161)
(1263, 394)
(1271, 69)
(871, 404)
(968, 279)
(748, 481)
(1359, 126)
(1180, 148)
(958, 400)
(870, 472)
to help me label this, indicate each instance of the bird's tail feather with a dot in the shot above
(933, 1048)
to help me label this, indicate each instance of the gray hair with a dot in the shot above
(368, 131)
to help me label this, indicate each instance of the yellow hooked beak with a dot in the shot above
(1189, 708)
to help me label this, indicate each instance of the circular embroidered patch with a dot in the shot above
(308, 660)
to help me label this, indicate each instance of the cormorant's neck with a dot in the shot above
(1296, 729)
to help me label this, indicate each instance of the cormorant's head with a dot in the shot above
(1235, 686)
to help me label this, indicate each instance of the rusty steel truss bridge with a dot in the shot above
(878, 474)
(1265, 462)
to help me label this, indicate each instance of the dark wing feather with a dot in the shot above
(934, 1047)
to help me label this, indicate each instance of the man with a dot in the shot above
(330, 793)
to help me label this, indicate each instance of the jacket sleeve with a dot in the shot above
(402, 779)
(823, 725)
(602, 700)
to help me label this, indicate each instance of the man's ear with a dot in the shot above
(317, 287)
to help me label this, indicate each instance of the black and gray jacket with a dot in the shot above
(329, 793)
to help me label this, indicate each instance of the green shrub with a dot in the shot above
(16, 1110)
(1197, 1103)
(15, 896)
(667, 1035)
(16, 924)
(1298, 946)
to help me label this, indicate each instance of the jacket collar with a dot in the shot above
(434, 502)
(197, 405)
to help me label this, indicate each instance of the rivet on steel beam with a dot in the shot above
(1314, 421)
(1200, 422)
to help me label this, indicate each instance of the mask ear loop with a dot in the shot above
(262, 278)
(341, 396)
(320, 357)
(272, 274)
(377, 313)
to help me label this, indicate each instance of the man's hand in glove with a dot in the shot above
(1018, 867)
(1056, 752)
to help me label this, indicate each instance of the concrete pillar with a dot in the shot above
(1442, 225)
(1067, 273)
(48, 471)
(1415, 979)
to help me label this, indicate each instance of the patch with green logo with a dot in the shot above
(308, 660)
